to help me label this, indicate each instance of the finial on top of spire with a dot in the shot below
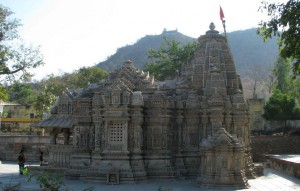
(128, 63)
(212, 29)
(212, 26)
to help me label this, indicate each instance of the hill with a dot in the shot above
(247, 48)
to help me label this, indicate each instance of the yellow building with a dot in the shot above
(16, 118)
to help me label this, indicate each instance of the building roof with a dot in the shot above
(61, 122)
(6, 103)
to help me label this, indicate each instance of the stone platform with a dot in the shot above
(271, 181)
(289, 164)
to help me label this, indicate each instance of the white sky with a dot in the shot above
(77, 33)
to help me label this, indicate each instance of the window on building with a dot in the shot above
(116, 132)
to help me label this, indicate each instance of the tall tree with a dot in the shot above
(16, 59)
(169, 58)
(283, 80)
(44, 101)
(283, 22)
(257, 80)
(282, 72)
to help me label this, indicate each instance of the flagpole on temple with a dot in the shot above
(223, 22)
(222, 17)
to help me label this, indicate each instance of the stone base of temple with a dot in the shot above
(224, 181)
(192, 161)
(180, 167)
(250, 169)
(138, 168)
(159, 167)
(73, 174)
(111, 168)
(259, 169)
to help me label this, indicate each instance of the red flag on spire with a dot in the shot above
(221, 14)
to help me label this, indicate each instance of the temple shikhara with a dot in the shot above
(129, 127)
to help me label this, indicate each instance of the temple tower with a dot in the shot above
(215, 123)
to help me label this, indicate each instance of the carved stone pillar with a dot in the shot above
(97, 135)
(137, 121)
(204, 120)
(180, 167)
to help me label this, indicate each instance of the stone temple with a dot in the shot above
(128, 127)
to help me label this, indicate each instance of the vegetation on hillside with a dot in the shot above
(138, 52)
(249, 50)
(247, 47)
(283, 22)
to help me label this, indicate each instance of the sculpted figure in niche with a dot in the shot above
(92, 137)
(77, 140)
(137, 140)
(107, 98)
(213, 66)
(126, 97)
(84, 140)
(116, 98)
(64, 108)
(97, 134)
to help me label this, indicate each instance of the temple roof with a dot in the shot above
(55, 121)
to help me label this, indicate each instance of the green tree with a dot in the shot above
(283, 81)
(282, 73)
(55, 84)
(78, 79)
(295, 91)
(22, 93)
(16, 59)
(283, 22)
(169, 58)
(281, 107)
(44, 101)
(3, 94)
(86, 75)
